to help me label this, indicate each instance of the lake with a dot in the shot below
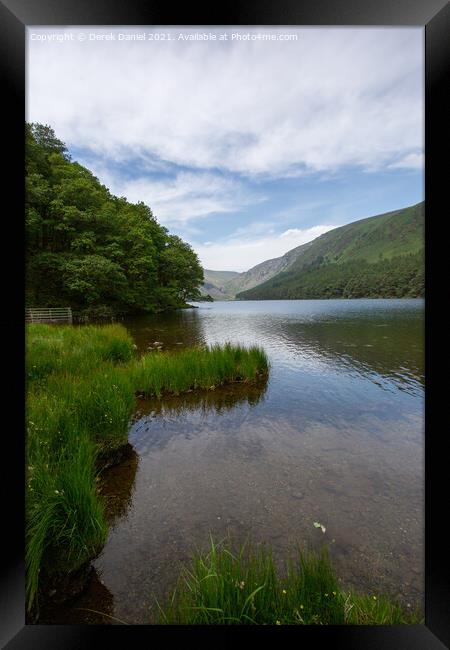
(336, 436)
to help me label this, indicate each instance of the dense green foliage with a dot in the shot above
(81, 388)
(379, 257)
(93, 251)
(228, 587)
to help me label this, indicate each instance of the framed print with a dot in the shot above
(229, 266)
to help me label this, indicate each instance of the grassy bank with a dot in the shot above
(81, 389)
(227, 587)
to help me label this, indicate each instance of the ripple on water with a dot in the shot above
(335, 436)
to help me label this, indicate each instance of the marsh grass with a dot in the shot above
(81, 389)
(74, 350)
(198, 368)
(379, 610)
(224, 586)
(66, 525)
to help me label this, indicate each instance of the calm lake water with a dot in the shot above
(336, 436)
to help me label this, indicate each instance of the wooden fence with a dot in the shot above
(49, 315)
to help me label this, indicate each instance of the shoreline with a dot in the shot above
(79, 410)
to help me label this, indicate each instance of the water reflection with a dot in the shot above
(381, 348)
(219, 400)
(117, 484)
(157, 422)
(95, 606)
(380, 339)
(335, 436)
(182, 328)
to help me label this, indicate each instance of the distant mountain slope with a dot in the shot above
(380, 256)
(264, 271)
(214, 282)
(219, 277)
(221, 287)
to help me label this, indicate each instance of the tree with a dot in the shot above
(180, 271)
(87, 248)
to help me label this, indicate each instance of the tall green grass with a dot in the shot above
(66, 525)
(81, 387)
(197, 368)
(224, 586)
(65, 349)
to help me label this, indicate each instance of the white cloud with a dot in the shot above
(334, 97)
(229, 255)
(180, 198)
(292, 232)
(410, 161)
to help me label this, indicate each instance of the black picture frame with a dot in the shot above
(15, 15)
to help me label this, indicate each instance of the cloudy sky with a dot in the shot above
(245, 147)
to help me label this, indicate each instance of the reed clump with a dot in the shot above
(198, 368)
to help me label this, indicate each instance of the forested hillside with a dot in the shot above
(377, 257)
(93, 251)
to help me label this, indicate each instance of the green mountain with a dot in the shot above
(222, 287)
(263, 271)
(380, 256)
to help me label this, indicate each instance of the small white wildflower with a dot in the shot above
(316, 524)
